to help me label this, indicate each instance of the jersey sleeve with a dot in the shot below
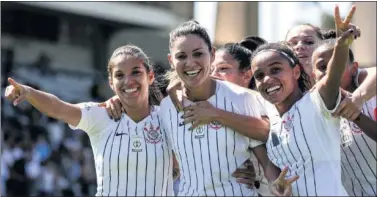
(252, 107)
(93, 118)
(320, 104)
(164, 116)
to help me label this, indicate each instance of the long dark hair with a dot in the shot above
(155, 95)
(286, 51)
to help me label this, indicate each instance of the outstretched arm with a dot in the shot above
(46, 103)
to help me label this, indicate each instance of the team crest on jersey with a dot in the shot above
(288, 122)
(355, 129)
(215, 125)
(153, 134)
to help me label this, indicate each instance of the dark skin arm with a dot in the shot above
(367, 125)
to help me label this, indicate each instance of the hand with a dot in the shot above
(16, 92)
(345, 31)
(282, 186)
(200, 113)
(174, 90)
(347, 109)
(246, 175)
(113, 107)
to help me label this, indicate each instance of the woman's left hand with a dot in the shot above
(201, 113)
(347, 109)
(246, 175)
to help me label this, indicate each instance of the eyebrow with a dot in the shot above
(273, 63)
(302, 36)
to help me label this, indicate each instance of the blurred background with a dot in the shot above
(63, 48)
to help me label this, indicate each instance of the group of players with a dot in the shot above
(301, 110)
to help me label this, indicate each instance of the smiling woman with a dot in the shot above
(132, 156)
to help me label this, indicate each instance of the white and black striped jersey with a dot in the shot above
(359, 156)
(209, 154)
(131, 159)
(306, 139)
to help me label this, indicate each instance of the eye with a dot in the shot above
(197, 54)
(258, 76)
(181, 57)
(275, 70)
(309, 42)
(136, 72)
(223, 69)
(118, 75)
(322, 67)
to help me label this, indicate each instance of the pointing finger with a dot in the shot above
(14, 83)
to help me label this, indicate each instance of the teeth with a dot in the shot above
(269, 90)
(192, 73)
(130, 90)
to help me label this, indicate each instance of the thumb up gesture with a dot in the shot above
(282, 186)
(345, 31)
(16, 92)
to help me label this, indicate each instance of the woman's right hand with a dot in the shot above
(345, 31)
(113, 107)
(16, 92)
(174, 90)
(282, 186)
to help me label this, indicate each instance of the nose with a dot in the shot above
(215, 73)
(190, 62)
(266, 79)
(299, 46)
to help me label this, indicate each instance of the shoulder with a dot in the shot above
(91, 107)
(232, 90)
(166, 102)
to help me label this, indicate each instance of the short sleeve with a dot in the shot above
(320, 104)
(253, 108)
(93, 118)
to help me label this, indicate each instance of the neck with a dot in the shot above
(351, 88)
(289, 101)
(201, 93)
(137, 112)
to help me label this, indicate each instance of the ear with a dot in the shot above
(297, 72)
(111, 84)
(213, 51)
(170, 61)
(151, 77)
(354, 68)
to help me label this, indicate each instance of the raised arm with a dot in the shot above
(48, 104)
(328, 86)
(367, 89)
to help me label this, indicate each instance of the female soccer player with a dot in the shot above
(358, 150)
(132, 156)
(303, 135)
(208, 154)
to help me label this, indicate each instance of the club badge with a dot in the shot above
(153, 135)
(215, 125)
